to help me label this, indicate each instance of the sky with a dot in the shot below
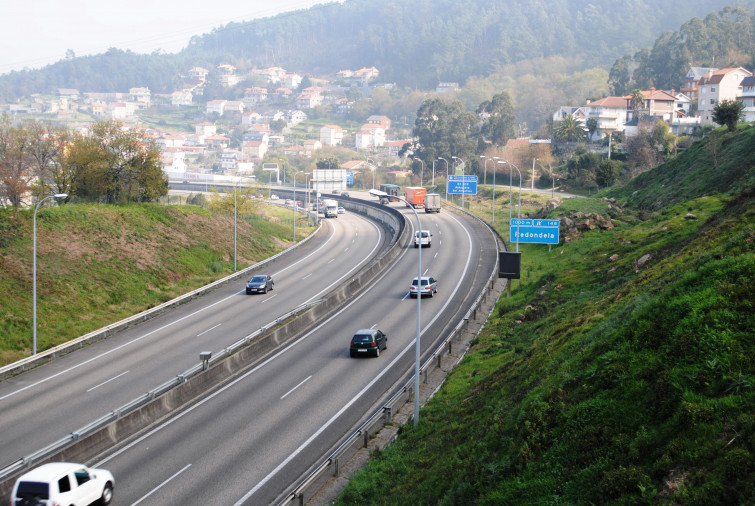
(34, 33)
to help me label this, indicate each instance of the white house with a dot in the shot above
(216, 106)
(724, 84)
(331, 135)
(748, 98)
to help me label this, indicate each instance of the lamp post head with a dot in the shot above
(60, 195)
(377, 193)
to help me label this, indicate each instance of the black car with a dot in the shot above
(259, 283)
(368, 341)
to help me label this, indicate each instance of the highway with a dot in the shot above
(248, 441)
(49, 402)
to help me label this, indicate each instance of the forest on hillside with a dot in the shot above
(414, 43)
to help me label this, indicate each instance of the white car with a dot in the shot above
(341, 210)
(428, 284)
(63, 483)
(423, 238)
(274, 197)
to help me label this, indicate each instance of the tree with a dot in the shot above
(569, 129)
(592, 126)
(607, 172)
(499, 125)
(636, 101)
(116, 165)
(729, 113)
(619, 77)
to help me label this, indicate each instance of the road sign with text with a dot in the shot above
(534, 231)
(462, 185)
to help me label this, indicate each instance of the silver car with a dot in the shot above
(428, 285)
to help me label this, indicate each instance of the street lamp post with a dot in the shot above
(283, 163)
(422, 169)
(485, 173)
(372, 168)
(433, 183)
(519, 210)
(34, 269)
(533, 173)
(441, 158)
(296, 174)
(378, 193)
(462, 178)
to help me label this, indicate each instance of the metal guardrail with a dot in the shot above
(389, 219)
(134, 404)
(383, 415)
(33, 361)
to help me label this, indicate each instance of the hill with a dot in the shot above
(414, 43)
(621, 370)
(98, 264)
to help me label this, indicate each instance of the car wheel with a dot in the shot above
(377, 351)
(432, 294)
(265, 290)
(385, 344)
(107, 494)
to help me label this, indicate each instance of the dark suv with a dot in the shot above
(368, 341)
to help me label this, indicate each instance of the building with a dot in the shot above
(331, 135)
(723, 84)
(748, 98)
(692, 78)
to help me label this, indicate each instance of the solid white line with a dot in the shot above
(108, 381)
(206, 331)
(161, 485)
(297, 386)
(135, 340)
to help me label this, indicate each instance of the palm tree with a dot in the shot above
(569, 129)
(637, 101)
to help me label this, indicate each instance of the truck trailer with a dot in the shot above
(415, 196)
(392, 191)
(330, 208)
(432, 203)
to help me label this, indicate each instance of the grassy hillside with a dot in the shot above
(97, 264)
(606, 378)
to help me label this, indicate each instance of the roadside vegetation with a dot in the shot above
(620, 371)
(99, 263)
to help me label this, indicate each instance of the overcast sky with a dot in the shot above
(34, 33)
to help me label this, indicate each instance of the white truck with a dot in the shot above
(432, 203)
(331, 208)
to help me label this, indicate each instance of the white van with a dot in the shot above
(63, 483)
(424, 240)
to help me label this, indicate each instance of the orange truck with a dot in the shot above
(415, 195)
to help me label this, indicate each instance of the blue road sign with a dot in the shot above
(466, 185)
(534, 231)
(350, 178)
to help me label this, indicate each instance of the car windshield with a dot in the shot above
(258, 279)
(362, 338)
(425, 281)
(424, 234)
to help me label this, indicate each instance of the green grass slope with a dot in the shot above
(605, 379)
(97, 264)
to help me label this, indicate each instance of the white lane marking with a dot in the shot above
(331, 260)
(161, 485)
(269, 298)
(108, 381)
(297, 386)
(347, 249)
(308, 275)
(327, 424)
(211, 328)
(137, 339)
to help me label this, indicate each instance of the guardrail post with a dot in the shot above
(366, 436)
(425, 379)
(466, 323)
(388, 414)
(450, 344)
(439, 359)
(301, 499)
(335, 463)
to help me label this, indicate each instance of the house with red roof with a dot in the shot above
(714, 87)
